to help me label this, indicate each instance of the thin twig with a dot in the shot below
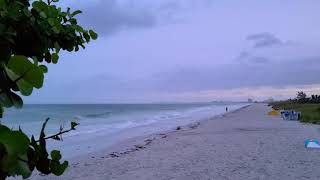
(60, 133)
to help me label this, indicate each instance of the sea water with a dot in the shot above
(104, 125)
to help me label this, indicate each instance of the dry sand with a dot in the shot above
(245, 144)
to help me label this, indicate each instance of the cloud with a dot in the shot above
(191, 83)
(258, 60)
(153, 55)
(257, 93)
(110, 16)
(285, 73)
(261, 40)
(257, 55)
(246, 57)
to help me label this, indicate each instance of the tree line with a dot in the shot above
(303, 98)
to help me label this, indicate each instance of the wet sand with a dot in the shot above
(245, 144)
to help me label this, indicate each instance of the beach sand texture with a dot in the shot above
(245, 144)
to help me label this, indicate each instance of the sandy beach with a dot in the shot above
(244, 144)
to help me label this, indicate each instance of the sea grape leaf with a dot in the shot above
(21, 168)
(19, 65)
(24, 87)
(56, 155)
(57, 168)
(34, 77)
(5, 100)
(43, 68)
(16, 145)
(16, 100)
(86, 36)
(55, 58)
(11, 74)
(93, 35)
(74, 125)
(76, 13)
(57, 47)
(32, 35)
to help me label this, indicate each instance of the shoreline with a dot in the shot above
(241, 144)
(141, 121)
(137, 143)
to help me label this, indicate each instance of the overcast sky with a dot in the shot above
(189, 50)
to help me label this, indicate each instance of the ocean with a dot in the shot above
(104, 125)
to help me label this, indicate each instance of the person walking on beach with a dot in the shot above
(226, 109)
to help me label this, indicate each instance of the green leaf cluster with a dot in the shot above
(32, 34)
(13, 149)
(20, 156)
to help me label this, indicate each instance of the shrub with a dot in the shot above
(32, 33)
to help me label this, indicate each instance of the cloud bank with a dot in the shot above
(111, 16)
(150, 51)
(261, 40)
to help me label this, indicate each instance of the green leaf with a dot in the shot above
(43, 14)
(21, 67)
(35, 61)
(78, 28)
(57, 27)
(57, 47)
(56, 155)
(19, 64)
(22, 168)
(24, 87)
(11, 74)
(1, 111)
(43, 68)
(74, 125)
(47, 57)
(76, 13)
(32, 35)
(73, 21)
(39, 5)
(27, 13)
(93, 35)
(55, 58)
(16, 144)
(16, 100)
(35, 77)
(51, 21)
(5, 100)
(57, 168)
(86, 36)
(2, 3)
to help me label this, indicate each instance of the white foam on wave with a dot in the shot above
(165, 118)
(132, 125)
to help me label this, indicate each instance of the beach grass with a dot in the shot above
(310, 113)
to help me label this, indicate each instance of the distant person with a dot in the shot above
(226, 109)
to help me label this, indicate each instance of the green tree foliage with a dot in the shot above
(315, 99)
(301, 96)
(32, 33)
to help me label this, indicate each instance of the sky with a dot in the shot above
(188, 51)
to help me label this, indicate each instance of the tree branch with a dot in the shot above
(58, 134)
